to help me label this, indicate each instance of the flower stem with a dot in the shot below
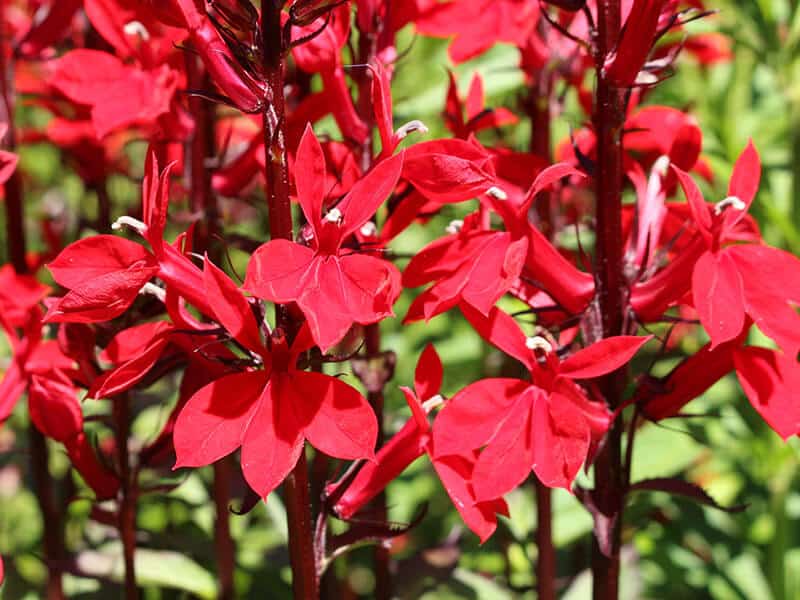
(127, 502)
(608, 118)
(305, 581)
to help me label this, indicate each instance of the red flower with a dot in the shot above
(547, 426)
(408, 444)
(271, 411)
(333, 286)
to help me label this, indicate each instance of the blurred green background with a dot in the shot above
(673, 549)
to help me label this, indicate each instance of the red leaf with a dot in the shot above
(231, 308)
(771, 381)
(334, 416)
(214, 421)
(718, 296)
(604, 356)
(54, 407)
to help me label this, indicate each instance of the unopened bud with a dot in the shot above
(496, 193)
(411, 127)
(730, 202)
(454, 227)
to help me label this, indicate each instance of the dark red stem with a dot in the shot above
(126, 515)
(200, 150)
(44, 485)
(609, 114)
(305, 581)
(15, 237)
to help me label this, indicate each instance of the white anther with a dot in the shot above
(410, 127)
(368, 229)
(661, 165)
(153, 290)
(432, 403)
(646, 78)
(127, 221)
(136, 28)
(537, 342)
(730, 202)
(454, 227)
(334, 215)
(496, 193)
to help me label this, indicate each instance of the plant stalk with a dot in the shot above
(305, 580)
(609, 114)
(128, 494)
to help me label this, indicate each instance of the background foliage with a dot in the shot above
(683, 551)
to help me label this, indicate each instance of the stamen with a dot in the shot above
(411, 127)
(369, 229)
(136, 28)
(730, 202)
(432, 402)
(661, 165)
(127, 221)
(496, 193)
(334, 215)
(152, 289)
(538, 344)
(455, 226)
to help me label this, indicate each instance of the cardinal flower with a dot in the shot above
(733, 281)
(333, 286)
(269, 412)
(104, 273)
(547, 425)
(408, 444)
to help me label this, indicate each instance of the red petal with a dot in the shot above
(335, 417)
(746, 176)
(508, 458)
(214, 420)
(604, 356)
(501, 330)
(718, 296)
(623, 65)
(101, 298)
(697, 204)
(561, 440)
(277, 271)
(272, 444)
(231, 308)
(771, 381)
(428, 375)
(474, 415)
(455, 473)
(369, 193)
(128, 343)
(94, 256)
(54, 408)
(129, 373)
(309, 178)
(548, 177)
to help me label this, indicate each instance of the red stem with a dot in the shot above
(15, 237)
(609, 115)
(305, 580)
(128, 494)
